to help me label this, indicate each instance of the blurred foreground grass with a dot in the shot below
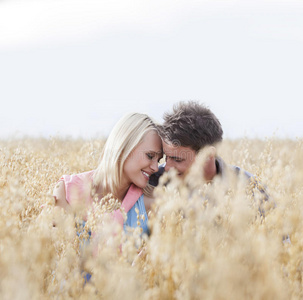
(201, 247)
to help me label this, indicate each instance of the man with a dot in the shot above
(190, 128)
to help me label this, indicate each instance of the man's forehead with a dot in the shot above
(176, 150)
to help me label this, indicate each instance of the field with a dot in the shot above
(206, 242)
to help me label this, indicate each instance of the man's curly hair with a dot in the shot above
(191, 124)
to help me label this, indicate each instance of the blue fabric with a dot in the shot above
(132, 221)
(132, 218)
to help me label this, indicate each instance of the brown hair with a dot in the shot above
(191, 124)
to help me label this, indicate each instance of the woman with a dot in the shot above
(130, 155)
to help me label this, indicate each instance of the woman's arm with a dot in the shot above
(60, 196)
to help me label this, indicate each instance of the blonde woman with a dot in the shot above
(130, 155)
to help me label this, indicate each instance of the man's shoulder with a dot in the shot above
(154, 178)
(222, 168)
(253, 181)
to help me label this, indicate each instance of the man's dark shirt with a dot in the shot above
(221, 170)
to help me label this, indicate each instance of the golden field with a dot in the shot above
(206, 242)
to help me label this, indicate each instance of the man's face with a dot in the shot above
(178, 157)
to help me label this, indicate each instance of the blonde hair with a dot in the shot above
(126, 135)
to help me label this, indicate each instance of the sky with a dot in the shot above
(72, 68)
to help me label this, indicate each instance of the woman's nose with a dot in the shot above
(154, 166)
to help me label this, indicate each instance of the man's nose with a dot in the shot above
(168, 165)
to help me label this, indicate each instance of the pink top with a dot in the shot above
(78, 188)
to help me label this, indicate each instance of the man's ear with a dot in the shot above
(212, 151)
(210, 169)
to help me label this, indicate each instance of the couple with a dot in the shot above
(129, 160)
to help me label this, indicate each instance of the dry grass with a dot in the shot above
(207, 242)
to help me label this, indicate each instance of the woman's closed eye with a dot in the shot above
(150, 156)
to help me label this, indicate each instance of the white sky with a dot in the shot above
(71, 67)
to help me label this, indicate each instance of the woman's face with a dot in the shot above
(143, 160)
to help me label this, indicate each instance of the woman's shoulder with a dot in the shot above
(77, 187)
(78, 178)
